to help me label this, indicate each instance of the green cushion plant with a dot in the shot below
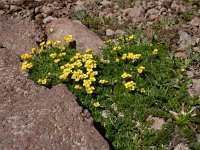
(122, 89)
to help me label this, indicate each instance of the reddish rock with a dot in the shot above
(157, 122)
(84, 38)
(33, 117)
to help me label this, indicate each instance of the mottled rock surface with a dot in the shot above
(33, 117)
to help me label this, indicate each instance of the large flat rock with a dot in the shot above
(33, 117)
(59, 28)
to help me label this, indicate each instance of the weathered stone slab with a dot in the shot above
(84, 38)
(33, 117)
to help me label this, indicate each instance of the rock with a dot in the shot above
(84, 38)
(195, 22)
(190, 74)
(18, 35)
(2, 5)
(79, 5)
(180, 54)
(46, 10)
(33, 117)
(195, 89)
(120, 32)
(198, 137)
(157, 122)
(136, 12)
(153, 17)
(2, 12)
(17, 2)
(106, 3)
(48, 19)
(181, 146)
(185, 39)
(110, 32)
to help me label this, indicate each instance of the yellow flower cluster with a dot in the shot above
(130, 85)
(117, 48)
(140, 69)
(56, 61)
(131, 56)
(78, 87)
(108, 41)
(49, 42)
(57, 43)
(142, 90)
(42, 81)
(103, 81)
(126, 75)
(130, 38)
(26, 56)
(53, 55)
(26, 65)
(68, 39)
(96, 104)
(155, 51)
(33, 51)
(79, 74)
(88, 51)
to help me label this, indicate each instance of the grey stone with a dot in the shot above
(181, 146)
(110, 32)
(79, 5)
(185, 39)
(136, 12)
(48, 19)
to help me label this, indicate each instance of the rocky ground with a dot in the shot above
(32, 117)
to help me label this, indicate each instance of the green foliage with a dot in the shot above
(140, 79)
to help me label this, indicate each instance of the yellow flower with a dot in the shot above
(155, 51)
(182, 70)
(87, 83)
(49, 42)
(42, 44)
(140, 69)
(26, 56)
(57, 43)
(117, 60)
(64, 76)
(41, 50)
(56, 61)
(103, 81)
(96, 104)
(53, 55)
(142, 90)
(137, 56)
(130, 38)
(130, 85)
(33, 50)
(88, 50)
(108, 41)
(68, 38)
(126, 75)
(78, 87)
(62, 67)
(42, 81)
(62, 54)
(90, 90)
(49, 73)
(124, 56)
(116, 48)
(62, 48)
(26, 65)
